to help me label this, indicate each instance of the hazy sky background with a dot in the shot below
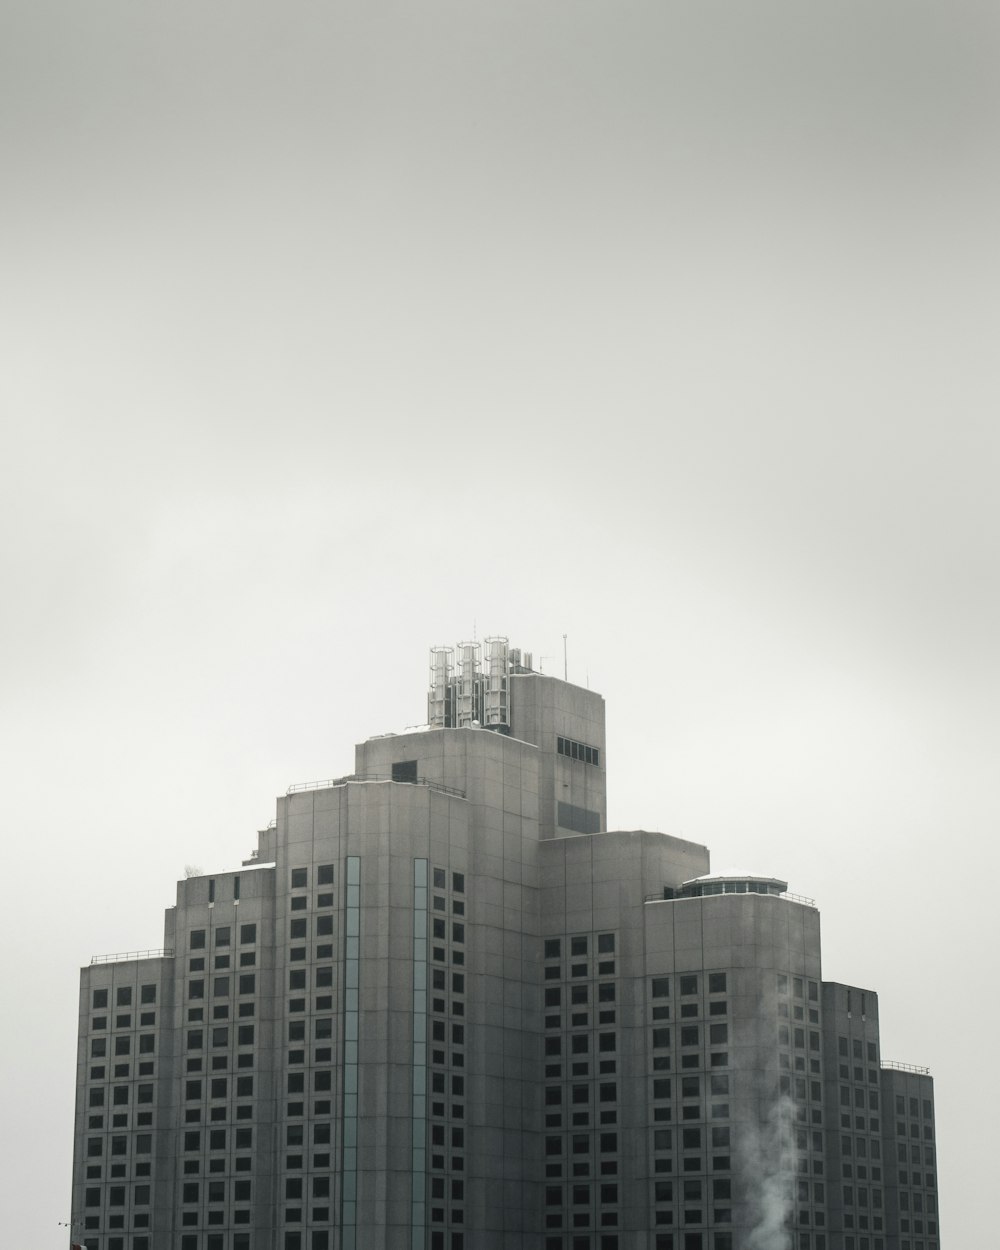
(334, 330)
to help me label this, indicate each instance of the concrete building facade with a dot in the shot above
(444, 1008)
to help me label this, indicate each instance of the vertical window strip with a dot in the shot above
(418, 1112)
(349, 1156)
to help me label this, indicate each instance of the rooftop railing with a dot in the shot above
(895, 1066)
(785, 894)
(124, 956)
(342, 781)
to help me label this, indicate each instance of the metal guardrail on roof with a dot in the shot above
(124, 956)
(341, 781)
(659, 897)
(894, 1066)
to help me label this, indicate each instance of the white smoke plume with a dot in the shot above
(767, 1162)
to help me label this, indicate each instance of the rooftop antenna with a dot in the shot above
(565, 668)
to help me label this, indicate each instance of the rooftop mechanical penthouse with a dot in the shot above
(443, 1007)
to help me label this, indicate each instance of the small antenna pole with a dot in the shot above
(565, 666)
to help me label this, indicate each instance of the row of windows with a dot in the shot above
(116, 1196)
(298, 978)
(122, 1045)
(690, 1086)
(859, 1074)
(218, 1087)
(222, 936)
(688, 984)
(301, 901)
(605, 968)
(857, 1048)
(691, 1035)
(220, 1035)
(324, 876)
(926, 1107)
(300, 876)
(579, 946)
(218, 1139)
(578, 751)
(142, 1145)
(215, 1191)
(120, 1095)
(147, 1019)
(298, 927)
(246, 984)
(123, 996)
(799, 987)
(248, 959)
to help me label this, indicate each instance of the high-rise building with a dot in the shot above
(444, 1008)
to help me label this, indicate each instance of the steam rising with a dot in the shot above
(767, 1160)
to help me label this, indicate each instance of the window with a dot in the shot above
(578, 751)
(717, 983)
(553, 950)
(405, 770)
(689, 985)
(196, 939)
(300, 878)
(123, 998)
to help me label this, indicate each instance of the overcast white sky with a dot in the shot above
(333, 330)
